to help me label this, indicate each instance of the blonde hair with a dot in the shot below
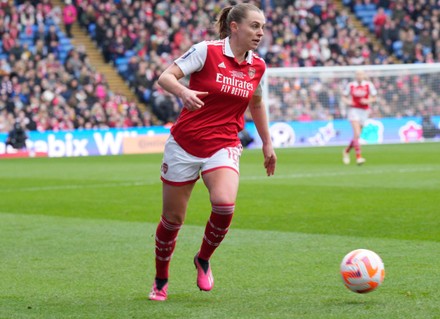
(235, 13)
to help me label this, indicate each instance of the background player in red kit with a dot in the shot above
(358, 95)
(224, 80)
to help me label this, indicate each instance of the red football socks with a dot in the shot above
(166, 236)
(216, 229)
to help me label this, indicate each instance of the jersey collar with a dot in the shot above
(228, 52)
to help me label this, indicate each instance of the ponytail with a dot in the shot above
(222, 22)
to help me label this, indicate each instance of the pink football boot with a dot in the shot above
(158, 295)
(205, 280)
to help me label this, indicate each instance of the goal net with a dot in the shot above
(305, 105)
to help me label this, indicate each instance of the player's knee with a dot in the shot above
(174, 217)
(222, 199)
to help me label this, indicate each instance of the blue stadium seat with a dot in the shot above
(370, 6)
(397, 48)
(367, 20)
(62, 56)
(426, 50)
(129, 53)
(24, 36)
(65, 41)
(122, 69)
(28, 42)
(397, 45)
(366, 13)
(121, 61)
(92, 30)
(358, 7)
(65, 48)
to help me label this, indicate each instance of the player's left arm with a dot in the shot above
(259, 116)
(372, 97)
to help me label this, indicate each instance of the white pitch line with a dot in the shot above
(82, 186)
(332, 174)
(157, 181)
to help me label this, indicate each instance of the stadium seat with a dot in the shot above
(366, 13)
(397, 48)
(65, 47)
(122, 69)
(64, 41)
(426, 50)
(397, 45)
(24, 36)
(367, 20)
(358, 7)
(92, 30)
(121, 61)
(129, 53)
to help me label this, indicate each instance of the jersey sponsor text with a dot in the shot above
(234, 86)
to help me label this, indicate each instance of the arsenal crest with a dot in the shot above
(251, 73)
(164, 168)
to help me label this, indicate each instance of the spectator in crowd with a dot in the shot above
(52, 40)
(429, 128)
(379, 20)
(69, 16)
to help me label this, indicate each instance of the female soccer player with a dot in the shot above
(225, 79)
(358, 95)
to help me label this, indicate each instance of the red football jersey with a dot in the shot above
(231, 85)
(359, 91)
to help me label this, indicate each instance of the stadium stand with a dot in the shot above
(409, 29)
(49, 83)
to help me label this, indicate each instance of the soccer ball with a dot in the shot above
(282, 135)
(362, 271)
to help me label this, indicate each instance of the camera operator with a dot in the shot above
(429, 128)
(17, 137)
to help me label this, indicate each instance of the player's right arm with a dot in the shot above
(169, 81)
(346, 97)
(192, 61)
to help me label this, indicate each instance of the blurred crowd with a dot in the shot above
(410, 29)
(47, 91)
(43, 90)
(318, 97)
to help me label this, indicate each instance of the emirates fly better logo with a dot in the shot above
(234, 85)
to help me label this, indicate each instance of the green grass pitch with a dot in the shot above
(77, 237)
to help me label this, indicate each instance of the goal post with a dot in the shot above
(305, 106)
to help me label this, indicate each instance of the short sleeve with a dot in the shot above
(346, 90)
(372, 89)
(194, 59)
